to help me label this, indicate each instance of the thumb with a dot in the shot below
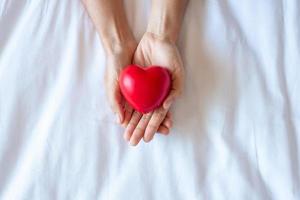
(174, 93)
(170, 99)
(117, 105)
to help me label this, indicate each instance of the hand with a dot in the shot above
(110, 21)
(117, 59)
(156, 50)
(120, 57)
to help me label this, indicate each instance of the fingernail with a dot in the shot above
(132, 143)
(147, 138)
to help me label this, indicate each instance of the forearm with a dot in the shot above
(166, 17)
(110, 22)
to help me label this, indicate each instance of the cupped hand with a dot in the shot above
(155, 50)
(116, 60)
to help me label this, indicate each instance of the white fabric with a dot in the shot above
(237, 125)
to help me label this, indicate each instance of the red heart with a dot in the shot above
(145, 88)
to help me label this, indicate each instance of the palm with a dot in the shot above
(153, 51)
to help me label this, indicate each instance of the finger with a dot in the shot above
(168, 122)
(177, 87)
(170, 99)
(162, 125)
(154, 123)
(128, 110)
(169, 115)
(163, 130)
(117, 105)
(136, 116)
(139, 58)
(139, 130)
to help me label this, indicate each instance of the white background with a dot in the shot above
(237, 125)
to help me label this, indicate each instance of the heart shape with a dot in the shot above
(145, 88)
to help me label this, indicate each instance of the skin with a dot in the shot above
(157, 47)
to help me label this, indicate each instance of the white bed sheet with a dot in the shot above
(237, 125)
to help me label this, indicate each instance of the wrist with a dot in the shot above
(161, 27)
(153, 38)
(166, 17)
(115, 33)
(109, 19)
(124, 49)
(118, 42)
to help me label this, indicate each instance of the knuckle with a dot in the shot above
(152, 127)
(160, 113)
(131, 124)
(139, 131)
(146, 117)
